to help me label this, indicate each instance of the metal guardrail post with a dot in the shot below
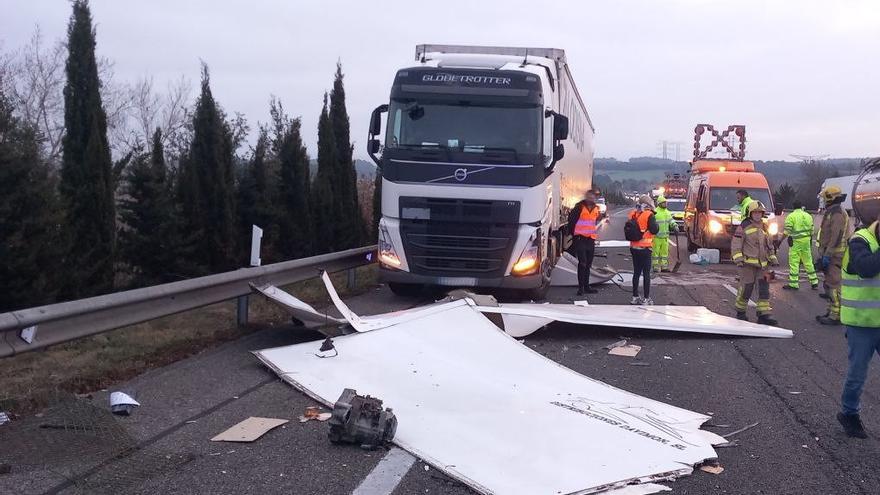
(63, 322)
(242, 311)
(352, 278)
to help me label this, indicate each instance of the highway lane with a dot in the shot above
(790, 387)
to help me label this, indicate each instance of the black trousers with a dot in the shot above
(641, 266)
(584, 249)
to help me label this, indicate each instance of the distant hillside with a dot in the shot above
(362, 167)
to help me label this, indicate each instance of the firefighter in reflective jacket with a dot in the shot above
(660, 248)
(799, 230)
(752, 252)
(583, 223)
(860, 312)
(832, 244)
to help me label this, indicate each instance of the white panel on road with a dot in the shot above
(612, 243)
(564, 274)
(298, 309)
(497, 416)
(692, 319)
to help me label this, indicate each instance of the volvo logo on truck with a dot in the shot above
(474, 145)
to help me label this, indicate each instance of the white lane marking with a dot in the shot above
(387, 474)
(735, 293)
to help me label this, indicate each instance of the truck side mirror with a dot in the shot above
(560, 127)
(375, 130)
(558, 152)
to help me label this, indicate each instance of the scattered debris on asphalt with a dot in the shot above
(628, 350)
(4, 418)
(249, 429)
(314, 412)
(744, 428)
(619, 343)
(795, 393)
(732, 443)
(122, 404)
(667, 357)
(639, 363)
(451, 397)
(712, 469)
(361, 420)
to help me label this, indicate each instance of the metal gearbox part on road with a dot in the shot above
(361, 420)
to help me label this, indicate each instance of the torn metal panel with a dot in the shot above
(297, 309)
(469, 398)
(564, 274)
(691, 319)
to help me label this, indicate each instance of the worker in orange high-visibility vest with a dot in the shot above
(583, 223)
(643, 215)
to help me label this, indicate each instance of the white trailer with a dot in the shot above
(486, 149)
(846, 184)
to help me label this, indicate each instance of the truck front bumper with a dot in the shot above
(509, 282)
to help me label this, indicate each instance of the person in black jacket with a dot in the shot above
(583, 223)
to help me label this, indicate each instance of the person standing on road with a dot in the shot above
(832, 245)
(583, 223)
(643, 217)
(660, 247)
(860, 312)
(751, 251)
(743, 201)
(799, 230)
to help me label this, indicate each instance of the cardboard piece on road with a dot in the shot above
(690, 319)
(459, 404)
(298, 309)
(629, 350)
(712, 469)
(249, 429)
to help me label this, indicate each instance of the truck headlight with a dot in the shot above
(387, 254)
(530, 259)
(715, 227)
(773, 228)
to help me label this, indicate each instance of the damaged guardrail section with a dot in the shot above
(35, 328)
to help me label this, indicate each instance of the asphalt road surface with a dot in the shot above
(790, 387)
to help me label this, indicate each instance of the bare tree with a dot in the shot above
(35, 83)
(148, 110)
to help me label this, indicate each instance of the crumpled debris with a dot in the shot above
(122, 404)
(619, 343)
(4, 418)
(716, 469)
(314, 412)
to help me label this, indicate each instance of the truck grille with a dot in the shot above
(459, 237)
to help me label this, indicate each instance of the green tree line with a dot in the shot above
(93, 225)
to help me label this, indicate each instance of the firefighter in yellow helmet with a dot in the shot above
(751, 250)
(833, 234)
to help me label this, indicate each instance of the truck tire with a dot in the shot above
(405, 290)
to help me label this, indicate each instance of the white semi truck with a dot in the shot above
(485, 151)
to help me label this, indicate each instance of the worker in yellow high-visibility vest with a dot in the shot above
(799, 230)
(660, 247)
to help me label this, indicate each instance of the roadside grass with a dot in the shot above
(31, 381)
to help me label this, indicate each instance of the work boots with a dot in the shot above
(767, 320)
(826, 320)
(741, 315)
(852, 425)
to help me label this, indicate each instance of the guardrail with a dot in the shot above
(56, 323)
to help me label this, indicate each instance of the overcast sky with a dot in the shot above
(803, 76)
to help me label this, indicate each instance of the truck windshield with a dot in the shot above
(724, 198)
(675, 205)
(464, 127)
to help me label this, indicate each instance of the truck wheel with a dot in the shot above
(405, 290)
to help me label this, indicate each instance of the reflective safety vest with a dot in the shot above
(860, 297)
(587, 223)
(664, 221)
(744, 207)
(647, 240)
(799, 224)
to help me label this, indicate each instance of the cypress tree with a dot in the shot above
(327, 209)
(87, 182)
(350, 230)
(297, 234)
(207, 185)
(148, 238)
(31, 238)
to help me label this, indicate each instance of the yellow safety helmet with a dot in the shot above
(755, 206)
(831, 193)
(661, 200)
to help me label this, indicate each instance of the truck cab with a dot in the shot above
(485, 150)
